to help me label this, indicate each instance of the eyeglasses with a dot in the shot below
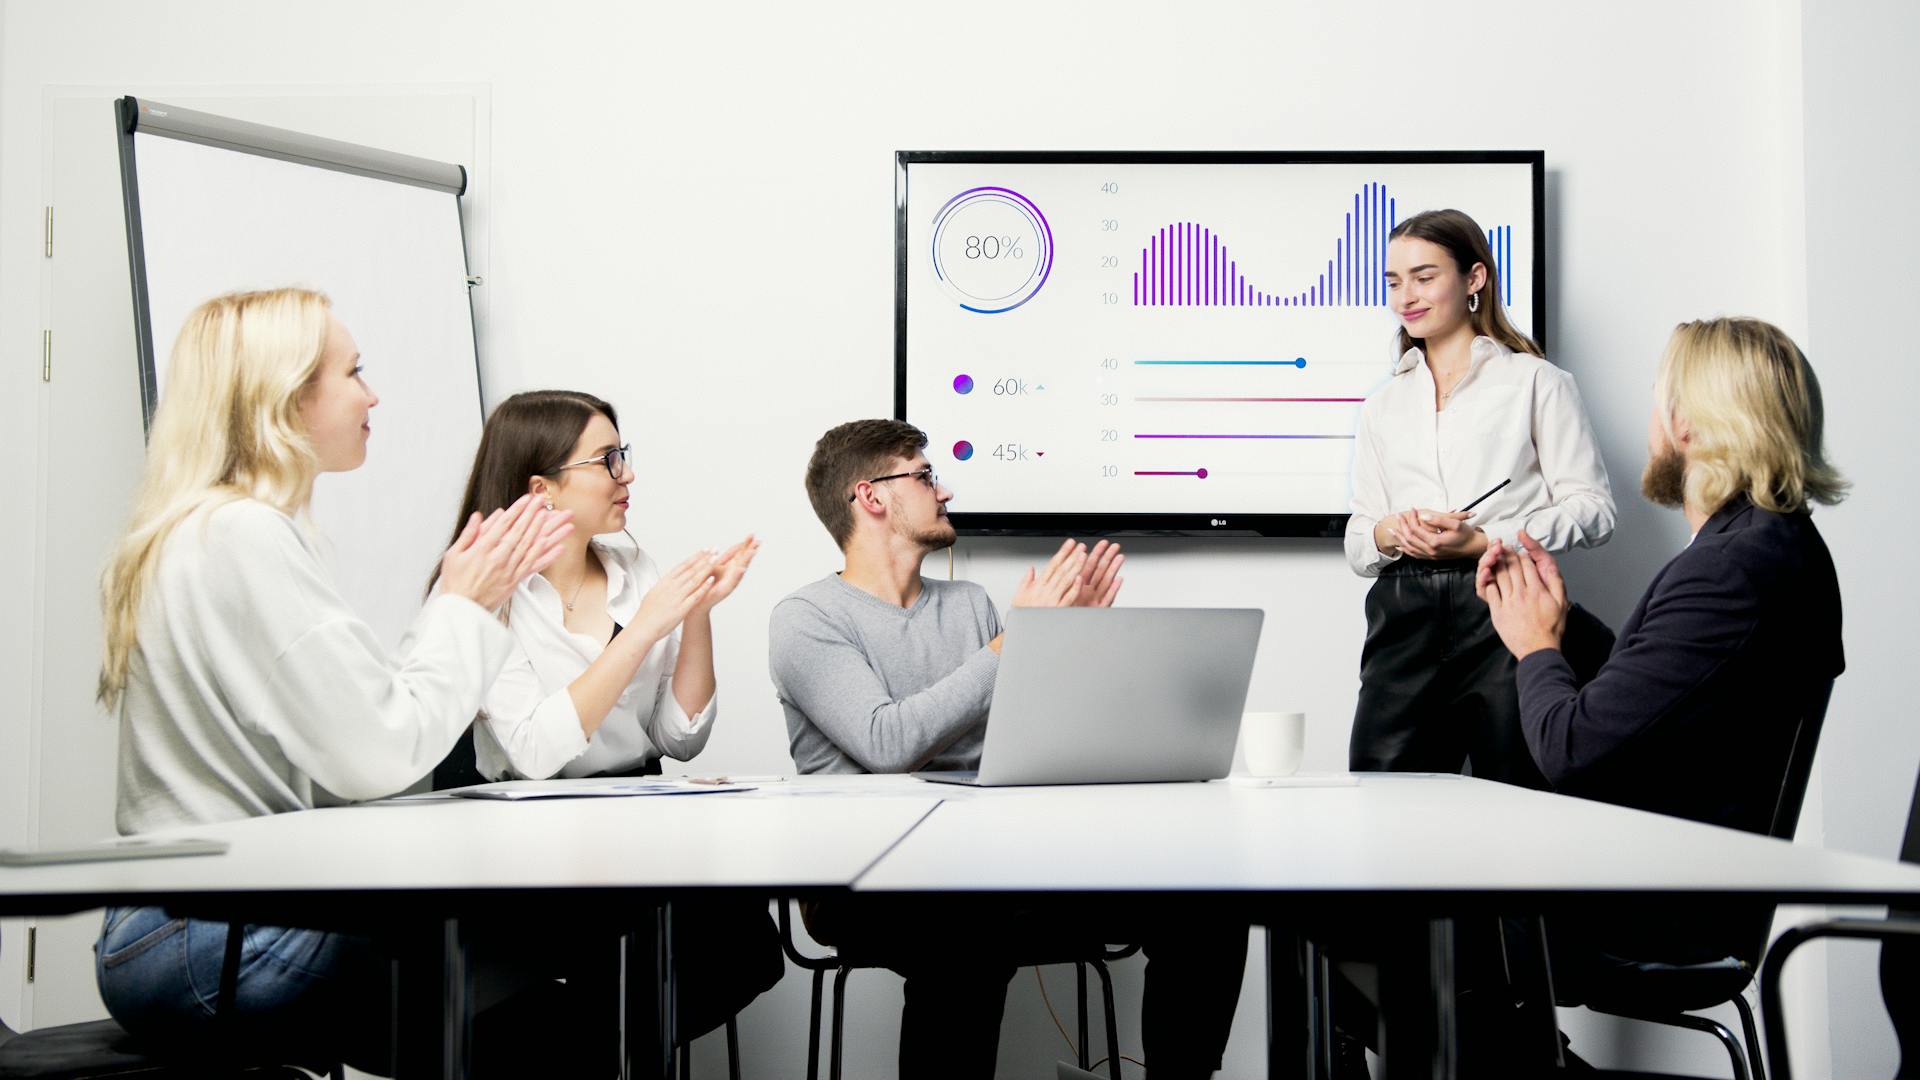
(925, 476)
(615, 460)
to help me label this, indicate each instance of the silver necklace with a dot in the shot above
(576, 589)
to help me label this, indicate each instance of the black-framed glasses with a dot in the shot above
(925, 476)
(615, 460)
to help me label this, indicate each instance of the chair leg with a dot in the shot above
(226, 1008)
(1755, 1059)
(733, 1048)
(1080, 981)
(684, 1055)
(1320, 1007)
(1718, 1031)
(1113, 1023)
(840, 1014)
(813, 1028)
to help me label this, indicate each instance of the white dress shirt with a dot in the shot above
(1512, 415)
(252, 683)
(530, 729)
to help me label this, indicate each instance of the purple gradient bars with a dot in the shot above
(1187, 264)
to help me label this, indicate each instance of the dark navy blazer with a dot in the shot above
(1694, 711)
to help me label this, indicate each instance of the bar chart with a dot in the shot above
(1188, 264)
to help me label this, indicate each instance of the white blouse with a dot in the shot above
(253, 683)
(1512, 415)
(530, 729)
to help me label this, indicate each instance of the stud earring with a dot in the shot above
(1473, 304)
(549, 504)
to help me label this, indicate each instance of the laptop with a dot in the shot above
(1115, 696)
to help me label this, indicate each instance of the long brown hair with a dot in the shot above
(529, 434)
(1462, 238)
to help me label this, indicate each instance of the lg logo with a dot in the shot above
(1217, 522)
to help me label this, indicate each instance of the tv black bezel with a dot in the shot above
(970, 523)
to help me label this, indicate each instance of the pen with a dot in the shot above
(1485, 497)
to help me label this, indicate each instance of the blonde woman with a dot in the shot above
(1471, 405)
(241, 679)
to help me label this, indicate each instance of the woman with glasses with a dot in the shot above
(612, 668)
(614, 665)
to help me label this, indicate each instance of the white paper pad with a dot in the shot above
(522, 790)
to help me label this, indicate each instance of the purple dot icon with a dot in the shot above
(963, 384)
(1201, 473)
(963, 449)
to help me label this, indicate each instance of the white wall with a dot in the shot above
(637, 148)
(1862, 166)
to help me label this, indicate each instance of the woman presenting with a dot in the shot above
(1471, 407)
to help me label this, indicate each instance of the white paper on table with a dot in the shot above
(525, 790)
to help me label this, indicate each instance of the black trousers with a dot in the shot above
(567, 985)
(958, 955)
(1437, 691)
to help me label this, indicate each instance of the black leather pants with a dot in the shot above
(1437, 688)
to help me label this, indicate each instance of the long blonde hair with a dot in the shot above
(1754, 413)
(228, 427)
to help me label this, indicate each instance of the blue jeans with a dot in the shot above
(302, 995)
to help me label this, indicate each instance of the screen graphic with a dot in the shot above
(1165, 344)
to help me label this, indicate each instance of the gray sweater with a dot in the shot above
(872, 687)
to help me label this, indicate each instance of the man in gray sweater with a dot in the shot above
(880, 670)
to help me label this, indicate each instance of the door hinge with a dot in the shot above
(33, 940)
(46, 356)
(49, 233)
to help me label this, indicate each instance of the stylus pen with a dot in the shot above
(1485, 497)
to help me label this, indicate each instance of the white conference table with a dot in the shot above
(1403, 856)
(416, 868)
(1407, 848)
(1452, 838)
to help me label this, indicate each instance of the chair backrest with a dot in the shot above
(1910, 847)
(460, 767)
(1793, 783)
(1900, 962)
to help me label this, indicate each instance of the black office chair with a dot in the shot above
(1670, 993)
(1899, 937)
(102, 1048)
(842, 963)
(461, 768)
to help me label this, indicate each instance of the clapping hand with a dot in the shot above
(729, 567)
(492, 556)
(1100, 576)
(1525, 594)
(1059, 585)
(677, 593)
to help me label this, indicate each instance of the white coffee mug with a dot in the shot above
(1273, 742)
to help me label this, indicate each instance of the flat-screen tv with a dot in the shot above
(1169, 343)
